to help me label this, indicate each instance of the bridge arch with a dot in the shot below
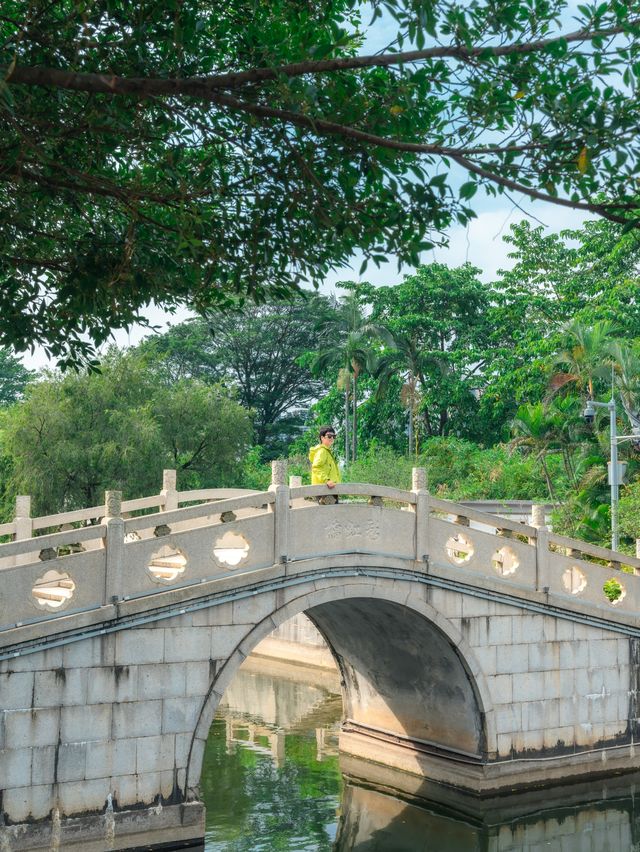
(401, 663)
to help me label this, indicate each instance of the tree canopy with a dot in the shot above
(14, 377)
(441, 322)
(258, 353)
(192, 152)
(79, 434)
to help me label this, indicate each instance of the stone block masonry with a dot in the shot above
(117, 725)
(458, 635)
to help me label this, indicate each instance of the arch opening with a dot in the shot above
(406, 670)
(401, 675)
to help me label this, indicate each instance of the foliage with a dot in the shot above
(259, 353)
(582, 277)
(14, 377)
(456, 470)
(584, 360)
(77, 435)
(552, 428)
(186, 153)
(439, 319)
(612, 589)
(255, 474)
(629, 511)
(349, 341)
(280, 804)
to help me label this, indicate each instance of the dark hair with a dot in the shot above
(325, 429)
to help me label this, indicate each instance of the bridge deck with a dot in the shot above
(86, 567)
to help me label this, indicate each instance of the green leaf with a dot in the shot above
(468, 190)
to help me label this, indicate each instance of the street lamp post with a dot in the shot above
(589, 414)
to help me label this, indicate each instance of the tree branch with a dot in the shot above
(202, 87)
(323, 127)
(600, 209)
(42, 263)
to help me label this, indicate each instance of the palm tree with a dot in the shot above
(414, 364)
(351, 348)
(585, 358)
(406, 359)
(625, 360)
(536, 430)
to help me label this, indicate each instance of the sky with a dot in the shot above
(480, 243)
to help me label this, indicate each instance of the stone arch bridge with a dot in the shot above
(473, 650)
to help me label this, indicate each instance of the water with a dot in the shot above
(272, 781)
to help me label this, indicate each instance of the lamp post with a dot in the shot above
(589, 414)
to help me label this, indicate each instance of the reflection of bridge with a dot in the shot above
(280, 702)
(281, 710)
(596, 820)
(473, 649)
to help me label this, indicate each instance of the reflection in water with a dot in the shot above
(375, 822)
(272, 781)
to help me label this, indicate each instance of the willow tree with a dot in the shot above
(197, 152)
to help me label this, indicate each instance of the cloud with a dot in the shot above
(481, 244)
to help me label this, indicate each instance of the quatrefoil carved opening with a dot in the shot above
(614, 591)
(505, 561)
(167, 565)
(53, 591)
(574, 580)
(459, 549)
(231, 549)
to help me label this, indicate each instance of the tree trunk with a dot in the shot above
(548, 478)
(346, 423)
(410, 435)
(444, 419)
(427, 423)
(355, 418)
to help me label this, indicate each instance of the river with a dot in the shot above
(272, 780)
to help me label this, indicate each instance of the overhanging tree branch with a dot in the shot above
(604, 210)
(204, 179)
(460, 155)
(202, 87)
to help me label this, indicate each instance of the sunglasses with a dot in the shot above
(330, 437)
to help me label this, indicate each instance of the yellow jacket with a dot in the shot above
(323, 465)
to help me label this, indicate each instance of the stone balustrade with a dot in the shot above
(101, 557)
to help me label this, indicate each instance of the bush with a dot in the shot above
(456, 470)
(612, 589)
(629, 515)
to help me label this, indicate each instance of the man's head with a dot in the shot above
(327, 436)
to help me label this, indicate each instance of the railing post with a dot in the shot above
(538, 520)
(169, 491)
(114, 547)
(281, 509)
(421, 509)
(298, 502)
(538, 516)
(23, 526)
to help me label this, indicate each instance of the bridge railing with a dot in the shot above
(92, 558)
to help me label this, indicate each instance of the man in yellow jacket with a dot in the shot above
(324, 468)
